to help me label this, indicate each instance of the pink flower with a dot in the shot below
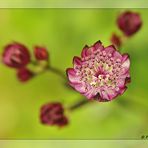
(116, 40)
(41, 53)
(24, 74)
(16, 55)
(129, 22)
(101, 73)
(53, 114)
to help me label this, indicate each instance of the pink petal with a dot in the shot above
(124, 72)
(121, 83)
(77, 61)
(110, 49)
(111, 94)
(98, 45)
(84, 51)
(104, 95)
(122, 90)
(126, 63)
(79, 87)
(124, 57)
(73, 78)
(90, 94)
(117, 55)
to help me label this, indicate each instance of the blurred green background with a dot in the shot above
(64, 32)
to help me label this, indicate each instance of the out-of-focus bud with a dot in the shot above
(116, 40)
(24, 74)
(129, 22)
(16, 55)
(41, 53)
(53, 114)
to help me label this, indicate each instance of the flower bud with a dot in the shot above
(116, 40)
(24, 74)
(41, 53)
(53, 114)
(16, 55)
(129, 22)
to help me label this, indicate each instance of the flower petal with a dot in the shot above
(98, 45)
(122, 90)
(77, 61)
(117, 55)
(79, 87)
(104, 95)
(125, 57)
(126, 63)
(73, 78)
(121, 83)
(90, 94)
(84, 51)
(111, 94)
(110, 49)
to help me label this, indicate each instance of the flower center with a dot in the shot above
(99, 70)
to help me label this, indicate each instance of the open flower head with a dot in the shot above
(101, 73)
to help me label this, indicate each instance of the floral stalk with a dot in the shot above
(78, 104)
(57, 72)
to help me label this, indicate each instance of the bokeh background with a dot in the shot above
(64, 32)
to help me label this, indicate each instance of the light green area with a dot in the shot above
(74, 143)
(73, 4)
(64, 32)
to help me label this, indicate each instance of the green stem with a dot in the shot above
(79, 104)
(57, 72)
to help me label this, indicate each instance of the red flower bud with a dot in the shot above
(16, 55)
(24, 74)
(53, 114)
(116, 40)
(41, 53)
(129, 22)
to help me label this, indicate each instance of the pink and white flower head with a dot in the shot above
(101, 73)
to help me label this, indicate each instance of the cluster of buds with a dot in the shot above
(129, 23)
(17, 56)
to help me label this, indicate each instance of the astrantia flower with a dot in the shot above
(16, 55)
(101, 73)
(24, 74)
(129, 22)
(53, 114)
(40, 53)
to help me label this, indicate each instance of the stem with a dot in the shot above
(57, 72)
(50, 68)
(79, 104)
